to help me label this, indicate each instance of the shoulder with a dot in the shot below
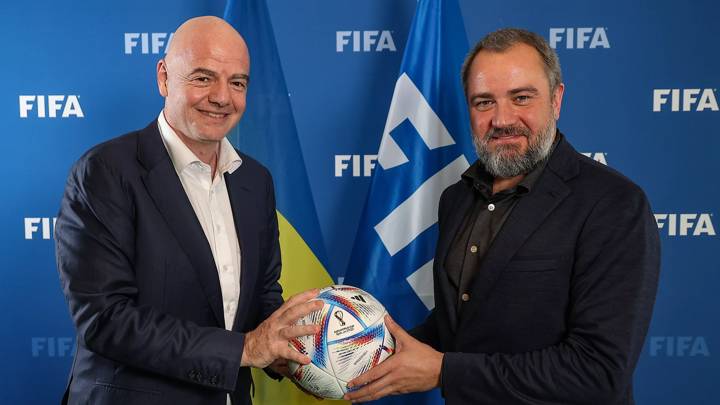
(589, 177)
(252, 166)
(606, 180)
(115, 154)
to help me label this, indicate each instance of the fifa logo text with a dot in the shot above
(685, 224)
(52, 346)
(678, 346)
(360, 163)
(50, 106)
(690, 99)
(149, 42)
(578, 38)
(39, 227)
(364, 41)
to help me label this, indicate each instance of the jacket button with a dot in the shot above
(465, 297)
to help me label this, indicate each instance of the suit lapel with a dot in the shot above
(525, 218)
(166, 190)
(457, 212)
(244, 216)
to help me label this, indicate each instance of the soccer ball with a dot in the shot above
(352, 340)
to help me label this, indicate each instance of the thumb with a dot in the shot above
(396, 330)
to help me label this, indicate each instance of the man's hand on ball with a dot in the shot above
(414, 367)
(269, 341)
(281, 367)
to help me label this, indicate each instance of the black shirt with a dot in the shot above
(482, 222)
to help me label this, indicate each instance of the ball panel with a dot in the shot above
(318, 381)
(355, 355)
(362, 305)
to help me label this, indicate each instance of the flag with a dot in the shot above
(268, 133)
(424, 148)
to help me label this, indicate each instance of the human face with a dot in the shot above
(205, 86)
(512, 109)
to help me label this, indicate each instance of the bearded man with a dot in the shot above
(547, 262)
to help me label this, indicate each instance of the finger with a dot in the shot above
(295, 331)
(372, 391)
(396, 330)
(301, 297)
(292, 315)
(373, 374)
(386, 390)
(294, 355)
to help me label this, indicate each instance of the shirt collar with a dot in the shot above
(182, 157)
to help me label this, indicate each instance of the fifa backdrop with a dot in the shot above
(641, 96)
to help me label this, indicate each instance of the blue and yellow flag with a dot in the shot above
(268, 133)
(425, 148)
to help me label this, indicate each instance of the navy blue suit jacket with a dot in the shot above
(561, 303)
(141, 282)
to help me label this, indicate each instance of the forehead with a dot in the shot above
(518, 66)
(230, 56)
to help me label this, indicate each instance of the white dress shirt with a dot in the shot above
(211, 203)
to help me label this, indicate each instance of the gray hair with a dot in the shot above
(501, 40)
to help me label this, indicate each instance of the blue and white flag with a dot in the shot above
(425, 147)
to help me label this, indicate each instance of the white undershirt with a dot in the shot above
(211, 203)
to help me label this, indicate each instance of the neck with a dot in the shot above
(504, 183)
(207, 152)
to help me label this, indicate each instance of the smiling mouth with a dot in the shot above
(212, 114)
(505, 137)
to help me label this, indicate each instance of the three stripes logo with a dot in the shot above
(358, 298)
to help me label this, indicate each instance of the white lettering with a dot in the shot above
(577, 38)
(688, 97)
(365, 41)
(149, 42)
(34, 225)
(360, 163)
(69, 106)
(686, 224)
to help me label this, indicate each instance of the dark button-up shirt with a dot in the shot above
(483, 220)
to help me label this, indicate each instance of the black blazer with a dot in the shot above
(141, 282)
(560, 306)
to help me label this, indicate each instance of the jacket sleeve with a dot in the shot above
(95, 250)
(271, 296)
(613, 286)
(270, 262)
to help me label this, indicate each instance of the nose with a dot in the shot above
(504, 115)
(219, 94)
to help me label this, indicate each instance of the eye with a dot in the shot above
(239, 84)
(522, 100)
(201, 79)
(483, 104)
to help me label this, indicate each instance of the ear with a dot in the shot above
(557, 97)
(162, 77)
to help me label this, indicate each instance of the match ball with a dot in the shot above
(352, 340)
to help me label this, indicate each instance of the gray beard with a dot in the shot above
(506, 160)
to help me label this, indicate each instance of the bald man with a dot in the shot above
(167, 245)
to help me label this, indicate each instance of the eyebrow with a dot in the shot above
(209, 72)
(527, 89)
(512, 92)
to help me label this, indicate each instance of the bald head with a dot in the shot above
(204, 78)
(204, 33)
